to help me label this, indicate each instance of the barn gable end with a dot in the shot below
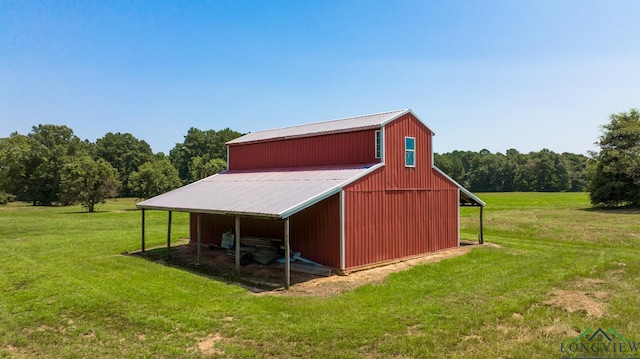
(400, 211)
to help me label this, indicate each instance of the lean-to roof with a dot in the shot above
(276, 193)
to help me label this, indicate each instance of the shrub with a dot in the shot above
(6, 197)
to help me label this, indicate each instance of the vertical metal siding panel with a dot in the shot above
(397, 211)
(315, 232)
(366, 221)
(335, 149)
(211, 227)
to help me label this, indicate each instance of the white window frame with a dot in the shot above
(407, 151)
(378, 144)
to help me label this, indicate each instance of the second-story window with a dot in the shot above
(409, 151)
(378, 144)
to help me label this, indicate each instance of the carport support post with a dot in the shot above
(287, 255)
(481, 229)
(169, 235)
(237, 244)
(142, 231)
(199, 239)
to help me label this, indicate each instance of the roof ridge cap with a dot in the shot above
(327, 121)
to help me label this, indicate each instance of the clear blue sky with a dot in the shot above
(482, 74)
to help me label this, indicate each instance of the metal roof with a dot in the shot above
(322, 128)
(466, 197)
(277, 193)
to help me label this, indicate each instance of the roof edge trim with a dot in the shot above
(398, 115)
(462, 189)
(305, 135)
(194, 210)
(407, 111)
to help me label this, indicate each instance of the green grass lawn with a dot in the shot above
(66, 291)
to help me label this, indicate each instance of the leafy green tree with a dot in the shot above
(154, 178)
(615, 175)
(489, 172)
(451, 165)
(576, 166)
(208, 145)
(14, 152)
(546, 172)
(88, 182)
(516, 180)
(125, 153)
(202, 167)
(50, 148)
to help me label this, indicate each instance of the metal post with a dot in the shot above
(169, 235)
(287, 255)
(481, 241)
(237, 244)
(342, 246)
(142, 231)
(199, 240)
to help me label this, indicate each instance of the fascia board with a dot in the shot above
(397, 116)
(196, 210)
(404, 113)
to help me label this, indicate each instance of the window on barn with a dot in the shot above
(378, 144)
(409, 152)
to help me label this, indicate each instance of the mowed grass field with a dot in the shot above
(555, 268)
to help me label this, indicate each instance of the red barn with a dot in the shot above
(346, 193)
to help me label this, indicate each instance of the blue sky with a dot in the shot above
(482, 74)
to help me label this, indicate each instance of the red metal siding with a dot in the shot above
(314, 232)
(398, 212)
(213, 226)
(336, 149)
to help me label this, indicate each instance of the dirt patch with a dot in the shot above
(558, 329)
(13, 352)
(269, 279)
(589, 302)
(328, 286)
(207, 346)
(589, 282)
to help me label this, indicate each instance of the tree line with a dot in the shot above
(542, 171)
(611, 175)
(51, 165)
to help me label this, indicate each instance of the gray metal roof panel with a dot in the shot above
(320, 128)
(269, 193)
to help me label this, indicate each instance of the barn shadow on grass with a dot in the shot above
(216, 264)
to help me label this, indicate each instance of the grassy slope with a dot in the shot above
(65, 290)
